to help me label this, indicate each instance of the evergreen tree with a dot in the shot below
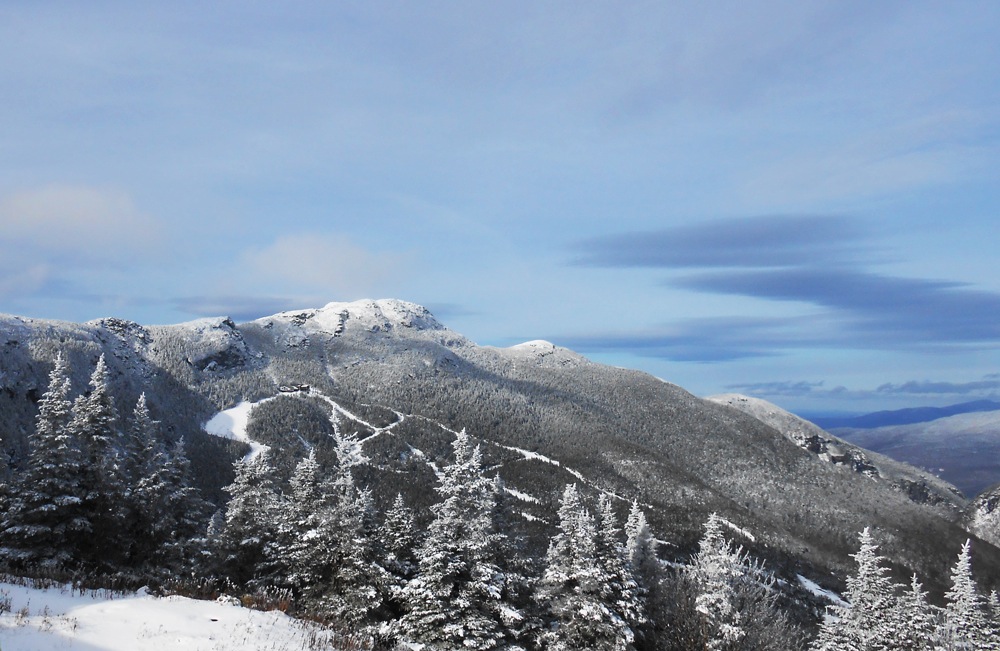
(641, 557)
(640, 546)
(572, 589)
(95, 425)
(400, 538)
(715, 570)
(181, 513)
(363, 586)
(866, 623)
(252, 515)
(305, 528)
(621, 591)
(146, 459)
(456, 601)
(915, 619)
(964, 623)
(46, 520)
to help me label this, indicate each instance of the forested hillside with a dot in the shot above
(407, 485)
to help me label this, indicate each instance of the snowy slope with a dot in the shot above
(61, 619)
(232, 424)
(922, 486)
(964, 449)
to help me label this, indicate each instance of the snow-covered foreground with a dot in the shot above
(61, 619)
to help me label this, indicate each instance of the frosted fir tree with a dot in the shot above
(400, 540)
(572, 590)
(993, 610)
(456, 600)
(622, 590)
(142, 444)
(180, 513)
(915, 619)
(252, 514)
(964, 622)
(146, 460)
(640, 546)
(5, 487)
(95, 425)
(46, 519)
(867, 622)
(358, 585)
(305, 529)
(715, 570)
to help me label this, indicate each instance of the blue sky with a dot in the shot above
(793, 200)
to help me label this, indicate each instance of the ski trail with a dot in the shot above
(232, 424)
(401, 417)
(337, 409)
(535, 456)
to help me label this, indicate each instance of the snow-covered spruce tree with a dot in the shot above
(327, 539)
(5, 487)
(146, 457)
(716, 569)
(95, 425)
(915, 619)
(457, 599)
(304, 528)
(571, 592)
(732, 598)
(252, 514)
(353, 588)
(964, 623)
(507, 553)
(640, 546)
(641, 557)
(993, 610)
(867, 622)
(399, 536)
(621, 591)
(181, 513)
(46, 521)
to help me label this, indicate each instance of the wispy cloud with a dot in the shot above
(721, 339)
(822, 262)
(78, 223)
(988, 385)
(294, 271)
(881, 310)
(764, 241)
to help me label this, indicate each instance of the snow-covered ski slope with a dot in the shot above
(61, 619)
(232, 424)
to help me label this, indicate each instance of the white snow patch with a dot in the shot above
(534, 456)
(814, 588)
(232, 424)
(524, 497)
(58, 618)
(741, 531)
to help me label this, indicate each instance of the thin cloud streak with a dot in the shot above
(883, 309)
(765, 241)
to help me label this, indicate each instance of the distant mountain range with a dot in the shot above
(902, 416)
(544, 415)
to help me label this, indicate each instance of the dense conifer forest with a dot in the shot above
(101, 498)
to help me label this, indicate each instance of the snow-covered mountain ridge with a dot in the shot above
(533, 406)
(918, 484)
